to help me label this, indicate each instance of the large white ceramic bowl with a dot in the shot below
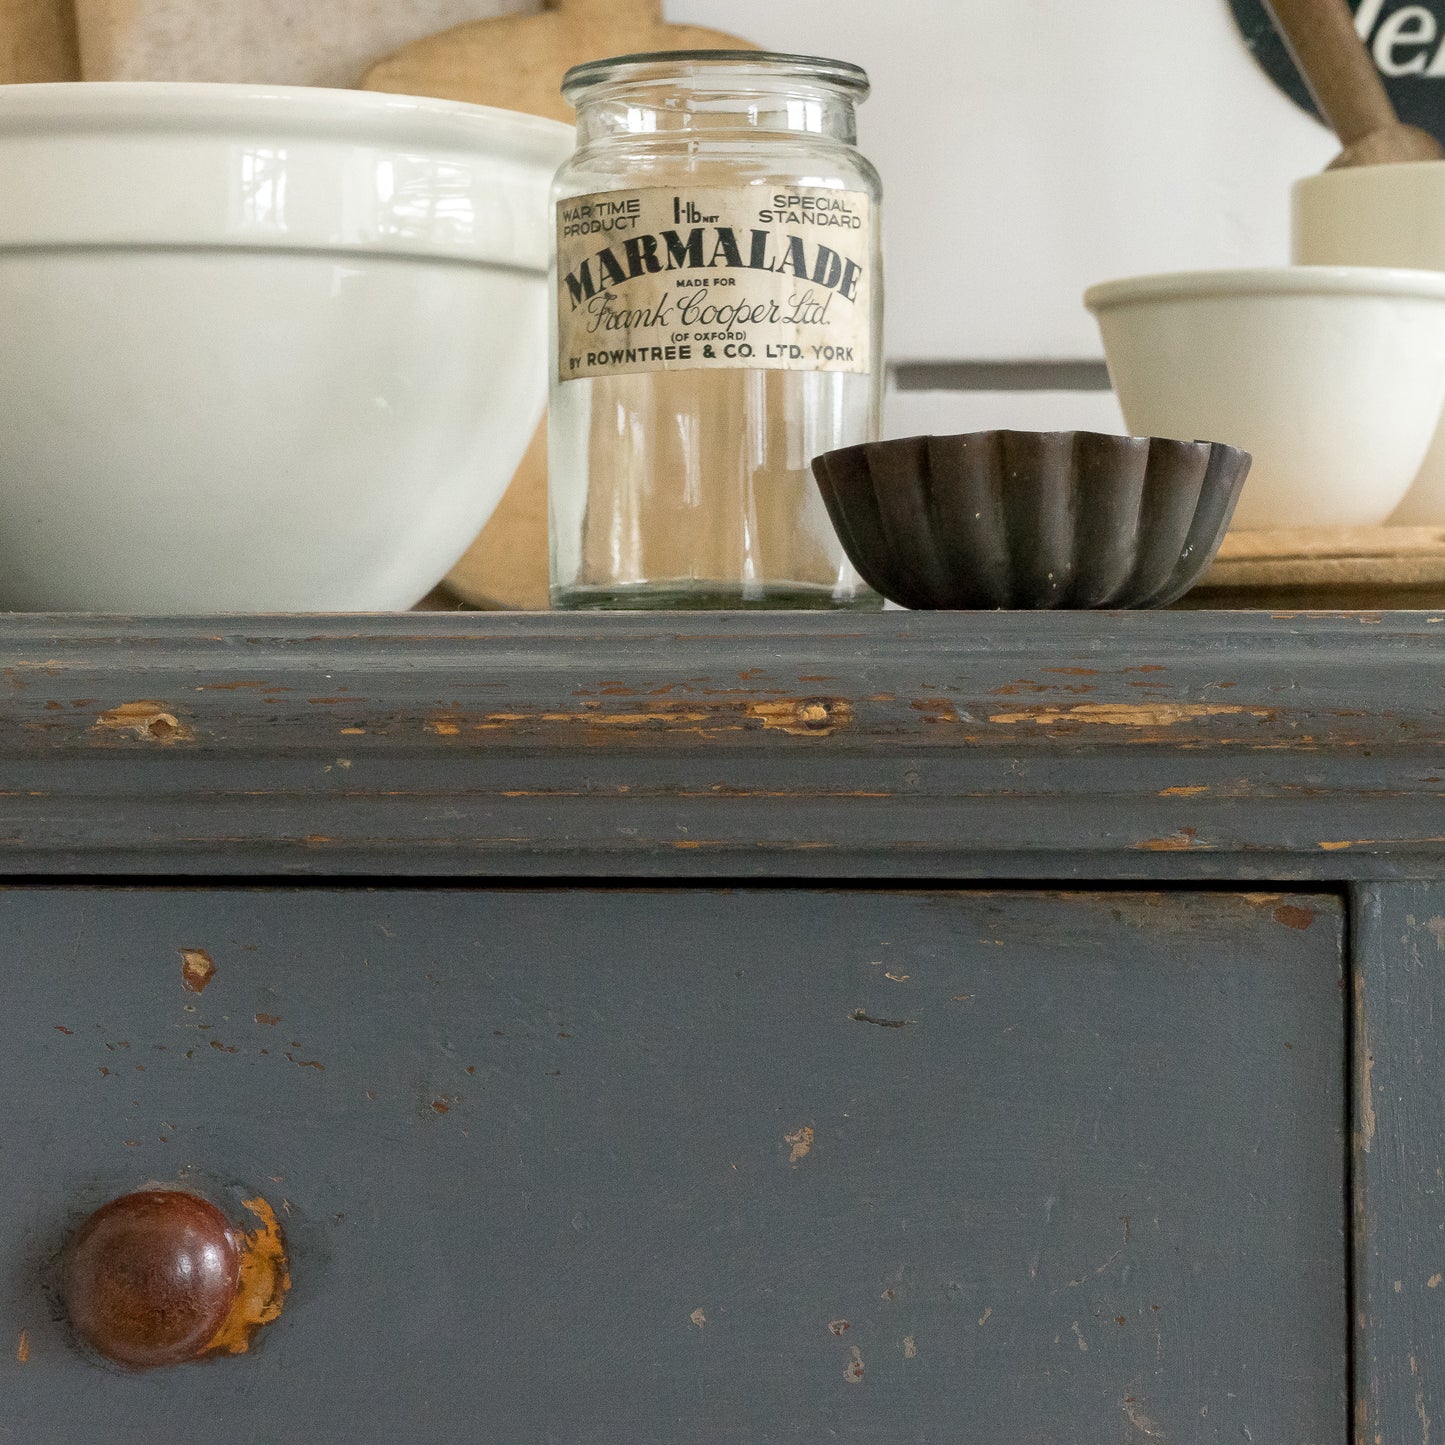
(261, 348)
(1391, 215)
(1333, 377)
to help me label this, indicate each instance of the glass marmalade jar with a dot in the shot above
(717, 325)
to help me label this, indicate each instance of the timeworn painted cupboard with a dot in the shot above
(1022, 1029)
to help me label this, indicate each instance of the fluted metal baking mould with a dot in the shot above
(1011, 519)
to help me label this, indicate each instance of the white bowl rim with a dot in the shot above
(1268, 281)
(167, 104)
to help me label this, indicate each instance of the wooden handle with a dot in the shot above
(151, 1277)
(1335, 65)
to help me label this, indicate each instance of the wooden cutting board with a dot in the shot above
(267, 42)
(1317, 556)
(37, 41)
(517, 62)
(1327, 567)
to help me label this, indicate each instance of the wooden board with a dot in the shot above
(270, 42)
(37, 41)
(1320, 556)
(517, 62)
(1330, 567)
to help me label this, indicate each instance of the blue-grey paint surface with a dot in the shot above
(1399, 1154)
(696, 1165)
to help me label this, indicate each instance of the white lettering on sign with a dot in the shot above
(1367, 17)
(1414, 28)
(1402, 40)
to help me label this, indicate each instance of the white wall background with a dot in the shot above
(1032, 147)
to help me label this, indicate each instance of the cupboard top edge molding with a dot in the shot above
(1102, 745)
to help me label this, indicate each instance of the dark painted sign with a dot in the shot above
(1407, 41)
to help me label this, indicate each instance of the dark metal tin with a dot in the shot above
(1010, 519)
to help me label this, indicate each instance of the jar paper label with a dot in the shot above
(670, 279)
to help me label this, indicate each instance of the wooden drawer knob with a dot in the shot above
(150, 1277)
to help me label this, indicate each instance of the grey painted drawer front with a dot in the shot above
(584, 1166)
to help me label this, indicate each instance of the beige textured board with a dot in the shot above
(37, 41)
(1318, 556)
(518, 62)
(274, 42)
(506, 567)
(1329, 568)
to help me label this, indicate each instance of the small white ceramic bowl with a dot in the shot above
(1333, 377)
(262, 348)
(1390, 215)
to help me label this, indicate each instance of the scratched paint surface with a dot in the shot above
(1399, 1165)
(1140, 745)
(728, 1166)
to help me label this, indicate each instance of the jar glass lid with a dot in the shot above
(696, 64)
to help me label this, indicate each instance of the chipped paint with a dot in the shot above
(910, 1348)
(1420, 1409)
(623, 721)
(839, 1327)
(197, 969)
(698, 1318)
(1191, 792)
(859, 1017)
(265, 1279)
(853, 1371)
(814, 717)
(1180, 841)
(1140, 1421)
(1365, 1139)
(1435, 927)
(151, 722)
(1022, 685)
(1127, 714)
(1434, 1281)
(1335, 847)
(1079, 1335)
(22, 1348)
(799, 717)
(987, 1315)
(1291, 916)
(801, 1141)
(936, 710)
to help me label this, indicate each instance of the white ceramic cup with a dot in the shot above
(1332, 377)
(1390, 215)
(264, 349)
